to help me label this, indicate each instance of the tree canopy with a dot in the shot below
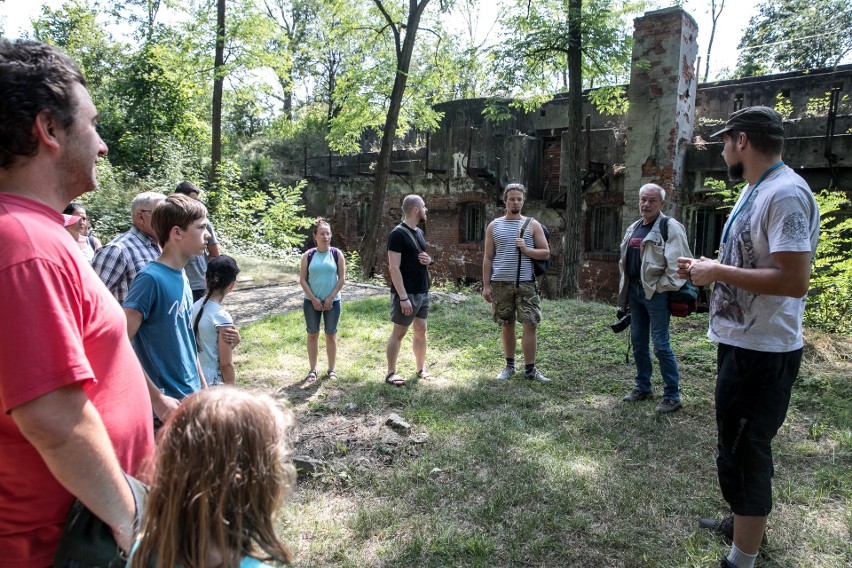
(792, 35)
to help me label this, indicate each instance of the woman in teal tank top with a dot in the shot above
(322, 276)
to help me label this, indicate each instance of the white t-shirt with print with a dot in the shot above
(780, 216)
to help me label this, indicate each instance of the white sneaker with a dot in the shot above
(536, 376)
(506, 373)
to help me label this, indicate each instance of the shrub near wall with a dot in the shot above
(829, 305)
(269, 223)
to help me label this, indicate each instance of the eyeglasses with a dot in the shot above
(515, 186)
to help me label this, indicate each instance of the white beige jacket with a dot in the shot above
(659, 259)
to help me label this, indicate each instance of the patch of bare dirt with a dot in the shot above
(331, 438)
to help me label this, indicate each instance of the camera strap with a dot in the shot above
(628, 341)
(520, 254)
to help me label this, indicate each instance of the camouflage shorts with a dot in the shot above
(510, 303)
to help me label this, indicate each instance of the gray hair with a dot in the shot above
(146, 199)
(654, 186)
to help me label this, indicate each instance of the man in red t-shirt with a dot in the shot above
(75, 406)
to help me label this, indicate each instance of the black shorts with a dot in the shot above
(752, 396)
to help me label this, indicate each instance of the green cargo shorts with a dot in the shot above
(511, 303)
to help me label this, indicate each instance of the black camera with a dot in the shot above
(622, 323)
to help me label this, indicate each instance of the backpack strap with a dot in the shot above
(521, 232)
(416, 244)
(410, 236)
(311, 252)
(664, 228)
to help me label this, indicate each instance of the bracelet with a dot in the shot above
(403, 300)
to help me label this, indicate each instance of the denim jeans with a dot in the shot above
(651, 317)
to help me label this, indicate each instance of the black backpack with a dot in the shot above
(539, 266)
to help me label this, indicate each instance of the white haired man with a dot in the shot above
(648, 266)
(118, 262)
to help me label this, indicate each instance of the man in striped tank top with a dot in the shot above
(508, 280)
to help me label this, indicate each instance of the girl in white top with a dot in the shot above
(81, 231)
(322, 275)
(210, 319)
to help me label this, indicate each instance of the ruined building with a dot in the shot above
(462, 167)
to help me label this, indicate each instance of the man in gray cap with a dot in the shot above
(762, 277)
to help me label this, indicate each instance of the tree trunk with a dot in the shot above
(715, 17)
(218, 84)
(377, 203)
(573, 202)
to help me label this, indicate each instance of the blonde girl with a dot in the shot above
(221, 471)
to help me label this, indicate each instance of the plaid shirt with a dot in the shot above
(118, 262)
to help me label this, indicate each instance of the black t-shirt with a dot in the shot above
(633, 262)
(415, 276)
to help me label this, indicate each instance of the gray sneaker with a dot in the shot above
(536, 376)
(506, 373)
(725, 529)
(637, 394)
(668, 405)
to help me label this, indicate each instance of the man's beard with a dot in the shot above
(736, 171)
(515, 211)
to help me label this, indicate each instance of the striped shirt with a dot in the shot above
(118, 262)
(504, 267)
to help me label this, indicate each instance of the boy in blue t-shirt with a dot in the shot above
(159, 305)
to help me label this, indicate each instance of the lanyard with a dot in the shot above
(745, 202)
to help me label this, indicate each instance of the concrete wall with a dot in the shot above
(662, 101)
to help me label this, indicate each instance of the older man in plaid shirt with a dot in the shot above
(118, 262)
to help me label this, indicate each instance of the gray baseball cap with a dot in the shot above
(754, 119)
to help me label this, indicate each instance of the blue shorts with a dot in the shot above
(329, 318)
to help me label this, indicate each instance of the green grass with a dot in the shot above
(521, 474)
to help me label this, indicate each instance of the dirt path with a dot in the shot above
(248, 304)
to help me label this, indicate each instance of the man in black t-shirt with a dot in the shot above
(407, 262)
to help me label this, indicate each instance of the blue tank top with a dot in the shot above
(322, 275)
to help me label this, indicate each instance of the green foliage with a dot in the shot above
(533, 59)
(108, 206)
(783, 106)
(610, 100)
(790, 35)
(726, 195)
(251, 219)
(819, 106)
(829, 306)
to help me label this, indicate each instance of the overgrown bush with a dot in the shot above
(108, 206)
(830, 302)
(254, 221)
